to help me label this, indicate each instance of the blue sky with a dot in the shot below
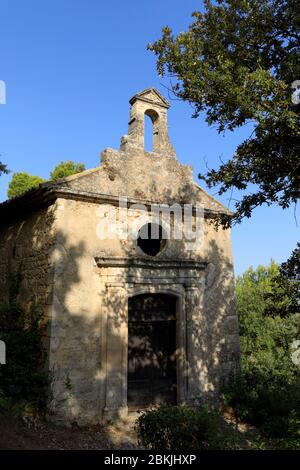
(70, 68)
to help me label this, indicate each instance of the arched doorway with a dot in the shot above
(152, 376)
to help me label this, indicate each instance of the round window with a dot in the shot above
(151, 239)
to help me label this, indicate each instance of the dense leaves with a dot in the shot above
(267, 391)
(237, 63)
(22, 182)
(3, 168)
(64, 169)
(177, 428)
(183, 428)
(23, 379)
(291, 268)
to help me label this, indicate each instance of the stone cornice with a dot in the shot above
(114, 200)
(160, 100)
(47, 193)
(149, 263)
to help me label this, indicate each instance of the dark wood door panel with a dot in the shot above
(151, 351)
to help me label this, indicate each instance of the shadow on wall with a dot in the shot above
(85, 383)
(217, 346)
(74, 344)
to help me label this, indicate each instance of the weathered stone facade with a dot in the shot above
(84, 281)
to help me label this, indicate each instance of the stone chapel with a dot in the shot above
(137, 316)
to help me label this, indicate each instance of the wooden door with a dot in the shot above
(151, 350)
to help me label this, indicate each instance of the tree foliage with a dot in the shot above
(3, 168)
(267, 391)
(183, 427)
(68, 168)
(291, 268)
(23, 380)
(178, 427)
(237, 63)
(22, 182)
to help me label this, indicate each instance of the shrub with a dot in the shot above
(177, 428)
(272, 406)
(266, 392)
(23, 378)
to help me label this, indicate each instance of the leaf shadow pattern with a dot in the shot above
(85, 365)
(85, 350)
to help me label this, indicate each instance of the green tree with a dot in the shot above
(68, 168)
(22, 182)
(291, 268)
(238, 62)
(267, 390)
(285, 295)
(3, 168)
(25, 380)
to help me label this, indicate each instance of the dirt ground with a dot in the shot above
(16, 434)
(38, 434)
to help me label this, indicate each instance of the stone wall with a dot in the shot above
(25, 249)
(88, 334)
(58, 249)
(143, 176)
(218, 352)
(76, 328)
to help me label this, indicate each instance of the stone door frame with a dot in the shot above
(184, 281)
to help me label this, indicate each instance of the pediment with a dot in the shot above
(143, 178)
(150, 95)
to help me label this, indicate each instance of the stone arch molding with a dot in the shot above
(117, 345)
(153, 115)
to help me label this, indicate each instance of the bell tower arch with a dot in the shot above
(149, 102)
